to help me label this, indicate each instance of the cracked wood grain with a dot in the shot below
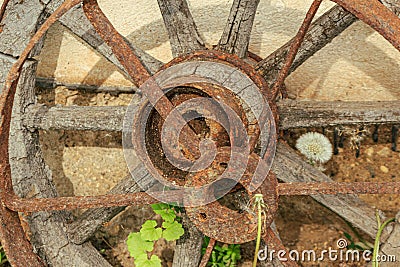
(292, 113)
(236, 35)
(32, 177)
(181, 28)
(321, 32)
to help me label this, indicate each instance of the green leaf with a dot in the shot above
(165, 211)
(160, 206)
(348, 236)
(149, 232)
(173, 230)
(137, 246)
(143, 261)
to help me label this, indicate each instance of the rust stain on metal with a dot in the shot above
(2, 12)
(213, 219)
(19, 250)
(376, 15)
(333, 188)
(294, 48)
(209, 218)
(207, 254)
(116, 41)
(235, 61)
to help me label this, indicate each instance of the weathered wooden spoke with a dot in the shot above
(181, 28)
(76, 21)
(293, 114)
(236, 36)
(321, 32)
(62, 243)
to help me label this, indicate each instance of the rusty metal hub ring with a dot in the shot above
(204, 74)
(210, 217)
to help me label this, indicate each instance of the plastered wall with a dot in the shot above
(359, 64)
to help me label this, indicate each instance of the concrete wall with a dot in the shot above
(359, 64)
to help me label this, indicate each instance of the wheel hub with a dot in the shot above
(210, 134)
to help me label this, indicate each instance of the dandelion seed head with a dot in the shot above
(315, 146)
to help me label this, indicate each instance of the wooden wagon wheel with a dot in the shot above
(60, 242)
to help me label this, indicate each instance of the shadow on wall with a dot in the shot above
(274, 25)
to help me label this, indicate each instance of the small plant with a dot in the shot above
(223, 256)
(315, 146)
(375, 262)
(142, 243)
(362, 245)
(3, 257)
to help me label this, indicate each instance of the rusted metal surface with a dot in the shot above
(376, 15)
(294, 48)
(3, 10)
(116, 41)
(333, 188)
(207, 254)
(213, 219)
(19, 250)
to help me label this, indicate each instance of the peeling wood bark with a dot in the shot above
(20, 22)
(289, 167)
(181, 28)
(31, 177)
(321, 32)
(108, 118)
(236, 35)
(295, 114)
(292, 113)
(188, 247)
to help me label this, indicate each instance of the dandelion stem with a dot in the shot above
(375, 262)
(258, 241)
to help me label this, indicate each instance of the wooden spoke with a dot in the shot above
(90, 221)
(188, 247)
(321, 32)
(79, 25)
(107, 118)
(289, 167)
(293, 114)
(236, 36)
(181, 27)
(51, 83)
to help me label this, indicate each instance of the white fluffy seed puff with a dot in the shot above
(315, 146)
